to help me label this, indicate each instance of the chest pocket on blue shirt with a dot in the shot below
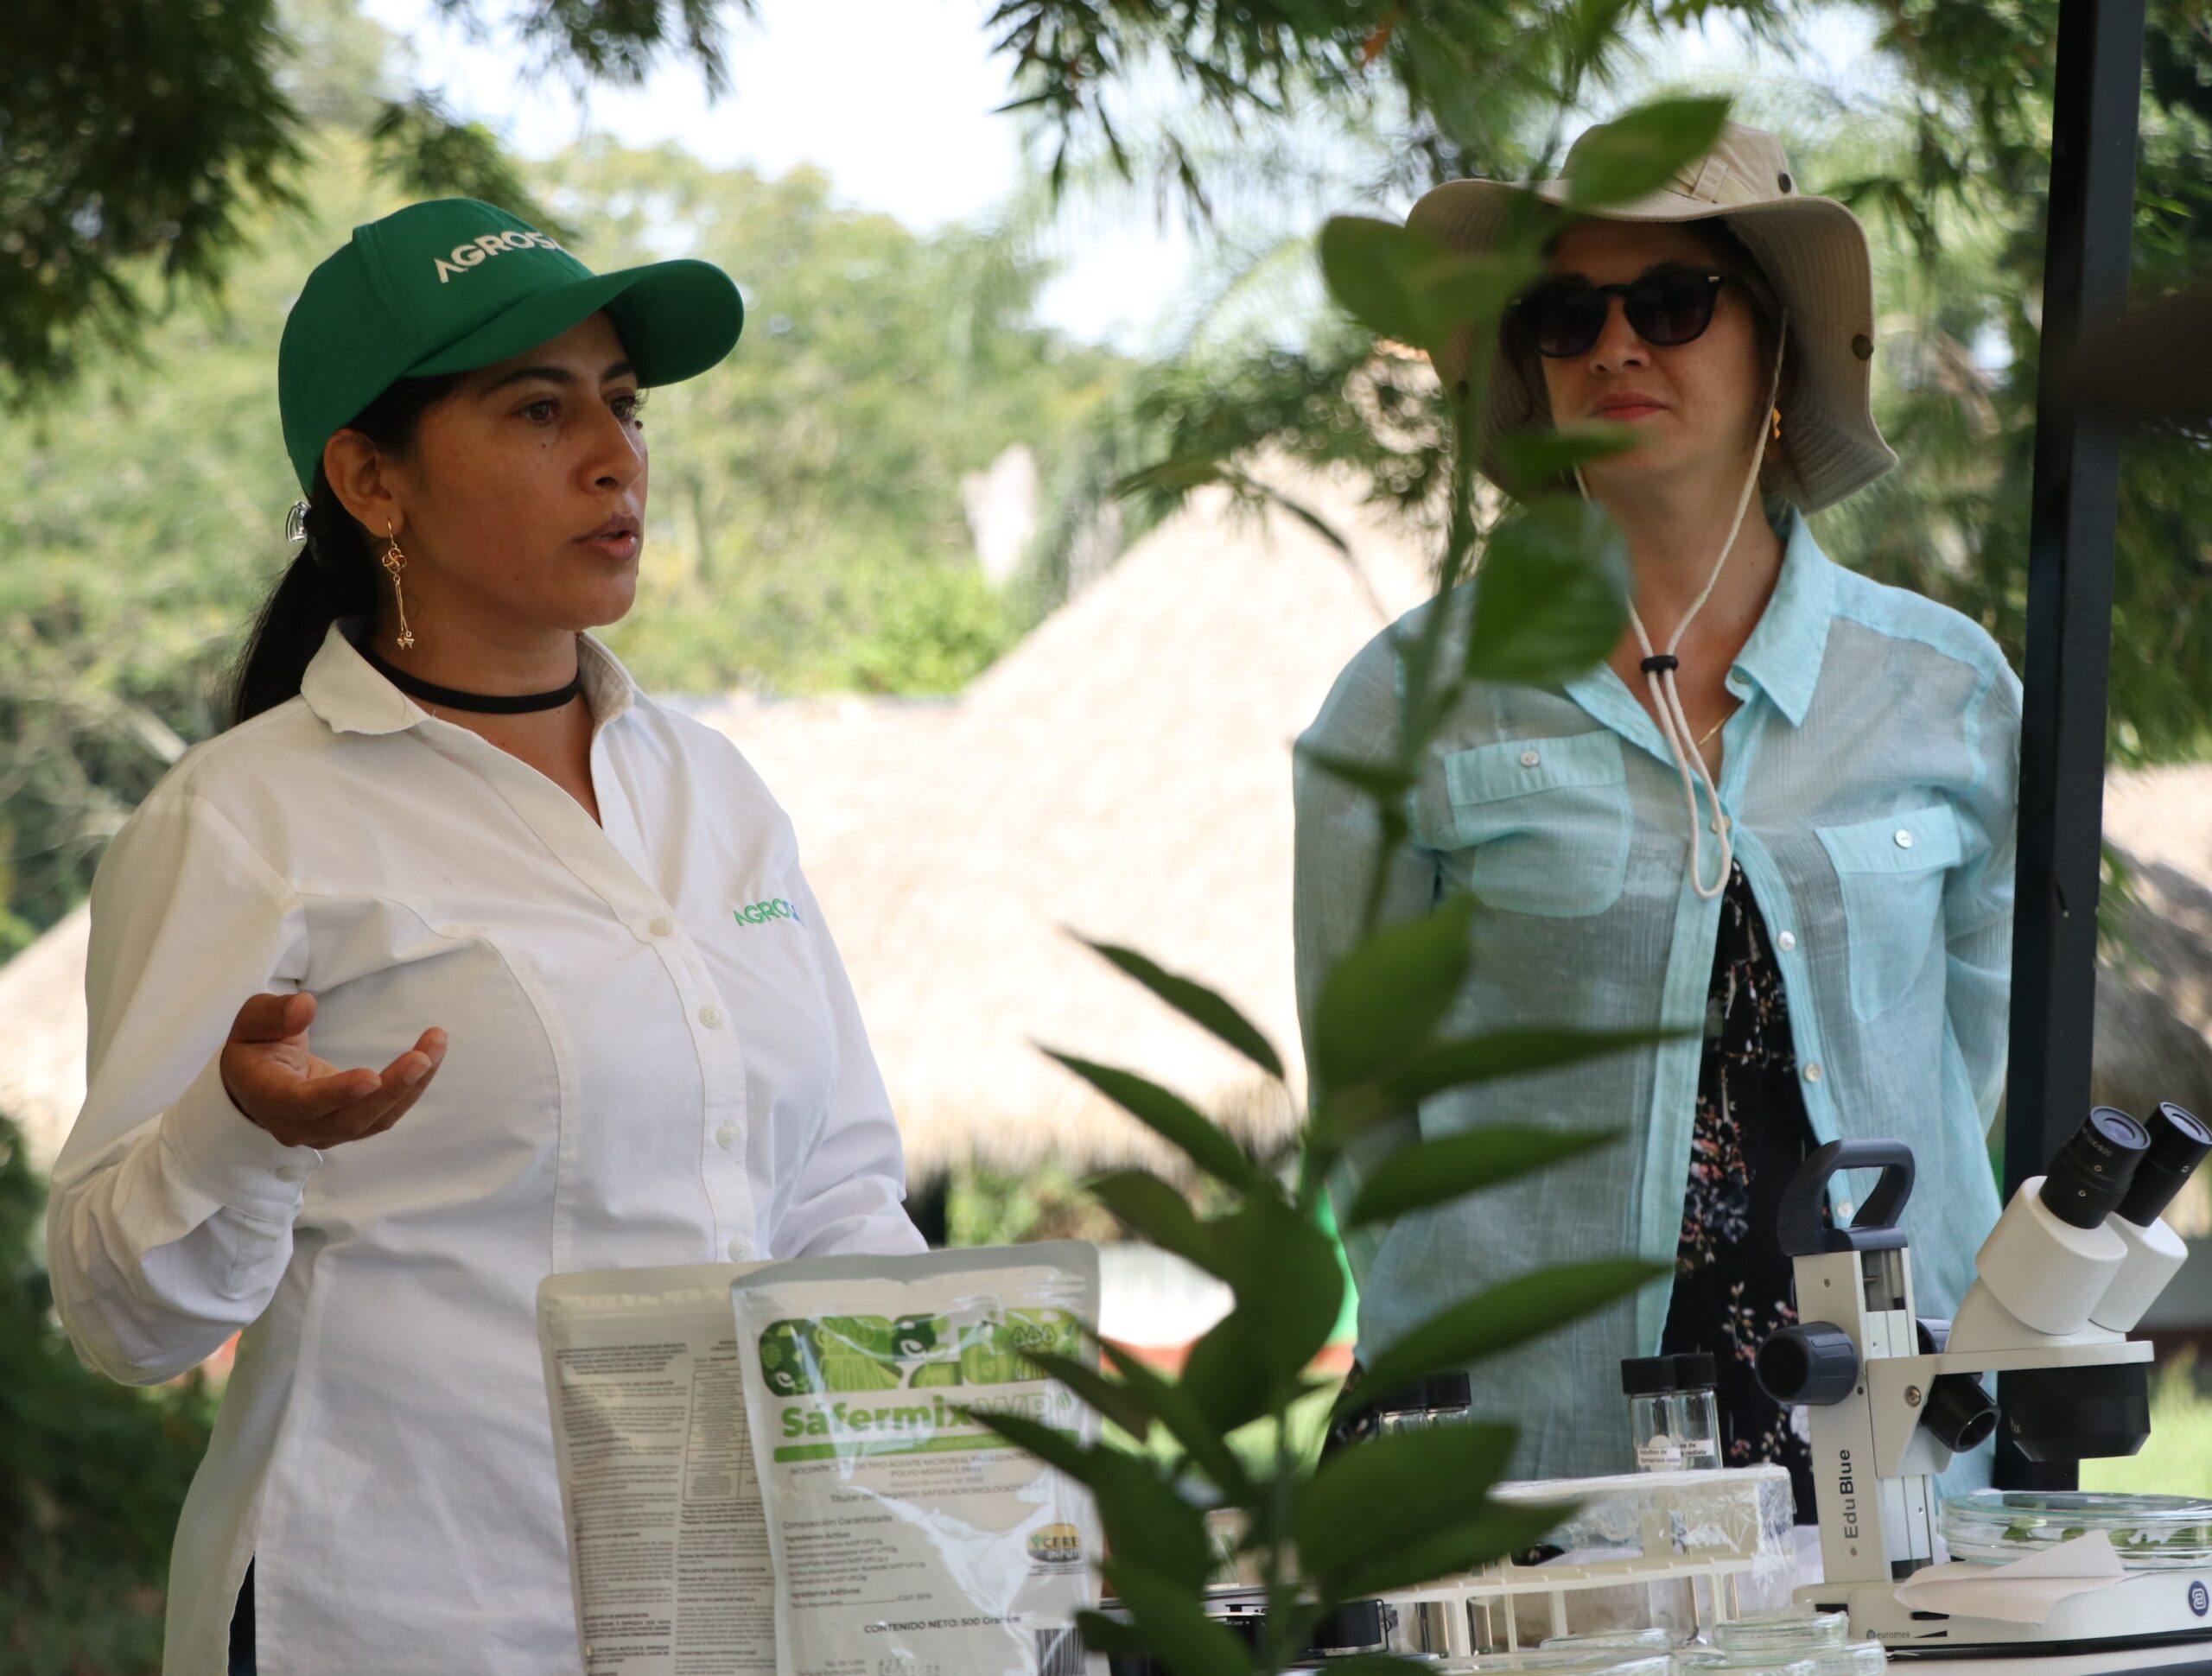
(1547, 820)
(1890, 871)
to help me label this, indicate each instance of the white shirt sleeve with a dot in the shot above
(852, 1185)
(170, 1218)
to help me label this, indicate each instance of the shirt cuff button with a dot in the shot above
(1530, 759)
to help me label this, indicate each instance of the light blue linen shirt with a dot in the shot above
(1870, 772)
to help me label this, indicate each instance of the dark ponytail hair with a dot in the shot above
(335, 574)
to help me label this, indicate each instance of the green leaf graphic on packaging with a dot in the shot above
(877, 1353)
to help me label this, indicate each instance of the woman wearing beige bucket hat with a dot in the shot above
(1776, 821)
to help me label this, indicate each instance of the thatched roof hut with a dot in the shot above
(1124, 774)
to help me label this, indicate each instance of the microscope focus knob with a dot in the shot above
(1815, 1364)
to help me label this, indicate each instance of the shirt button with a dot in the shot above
(726, 1137)
(711, 1017)
(1812, 1072)
(1786, 941)
(1845, 1209)
(1530, 759)
(737, 1251)
(292, 1172)
(662, 926)
(1904, 839)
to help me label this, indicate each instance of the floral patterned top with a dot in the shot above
(1733, 1286)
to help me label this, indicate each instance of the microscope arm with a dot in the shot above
(1897, 1388)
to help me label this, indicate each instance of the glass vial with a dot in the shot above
(1673, 1417)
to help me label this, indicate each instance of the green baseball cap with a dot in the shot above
(454, 284)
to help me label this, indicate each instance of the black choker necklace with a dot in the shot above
(490, 704)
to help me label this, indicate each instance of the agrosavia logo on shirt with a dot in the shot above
(477, 250)
(760, 913)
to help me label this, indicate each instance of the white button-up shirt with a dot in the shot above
(655, 1059)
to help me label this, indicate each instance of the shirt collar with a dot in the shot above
(351, 697)
(1782, 656)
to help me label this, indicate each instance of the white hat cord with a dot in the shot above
(1659, 670)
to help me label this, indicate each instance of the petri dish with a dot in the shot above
(1797, 1632)
(1578, 1661)
(2149, 1533)
(1854, 1659)
(1650, 1640)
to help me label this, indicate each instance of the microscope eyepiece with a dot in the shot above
(2095, 1167)
(2179, 1144)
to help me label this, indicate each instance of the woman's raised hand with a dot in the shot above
(273, 1078)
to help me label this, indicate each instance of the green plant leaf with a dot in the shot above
(1204, 1007)
(1126, 1408)
(1456, 291)
(1492, 1531)
(1287, 1281)
(1289, 1290)
(1500, 1053)
(1103, 1635)
(1386, 995)
(1395, 1489)
(1172, 1118)
(1551, 595)
(1163, 1216)
(1373, 269)
(1143, 1513)
(1640, 152)
(1054, 1447)
(1509, 1313)
(1437, 1172)
(1186, 1422)
(1538, 456)
(1174, 1626)
(1592, 25)
(1225, 1374)
(1377, 779)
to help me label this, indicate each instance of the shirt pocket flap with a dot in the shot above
(1513, 768)
(1916, 840)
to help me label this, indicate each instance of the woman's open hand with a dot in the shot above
(273, 1078)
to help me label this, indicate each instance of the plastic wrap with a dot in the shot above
(1678, 1550)
(1742, 1511)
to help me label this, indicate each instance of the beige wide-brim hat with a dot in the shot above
(1815, 254)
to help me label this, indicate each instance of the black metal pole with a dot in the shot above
(2075, 509)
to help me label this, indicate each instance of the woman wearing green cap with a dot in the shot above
(1778, 821)
(457, 961)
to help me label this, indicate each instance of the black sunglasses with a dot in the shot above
(1563, 318)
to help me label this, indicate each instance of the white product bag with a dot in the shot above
(668, 1553)
(907, 1538)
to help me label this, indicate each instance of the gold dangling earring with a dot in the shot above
(1778, 424)
(395, 563)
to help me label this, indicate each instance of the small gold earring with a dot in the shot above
(395, 563)
(1778, 424)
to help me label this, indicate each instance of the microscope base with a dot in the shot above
(2149, 1620)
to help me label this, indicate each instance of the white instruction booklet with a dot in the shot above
(668, 1548)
